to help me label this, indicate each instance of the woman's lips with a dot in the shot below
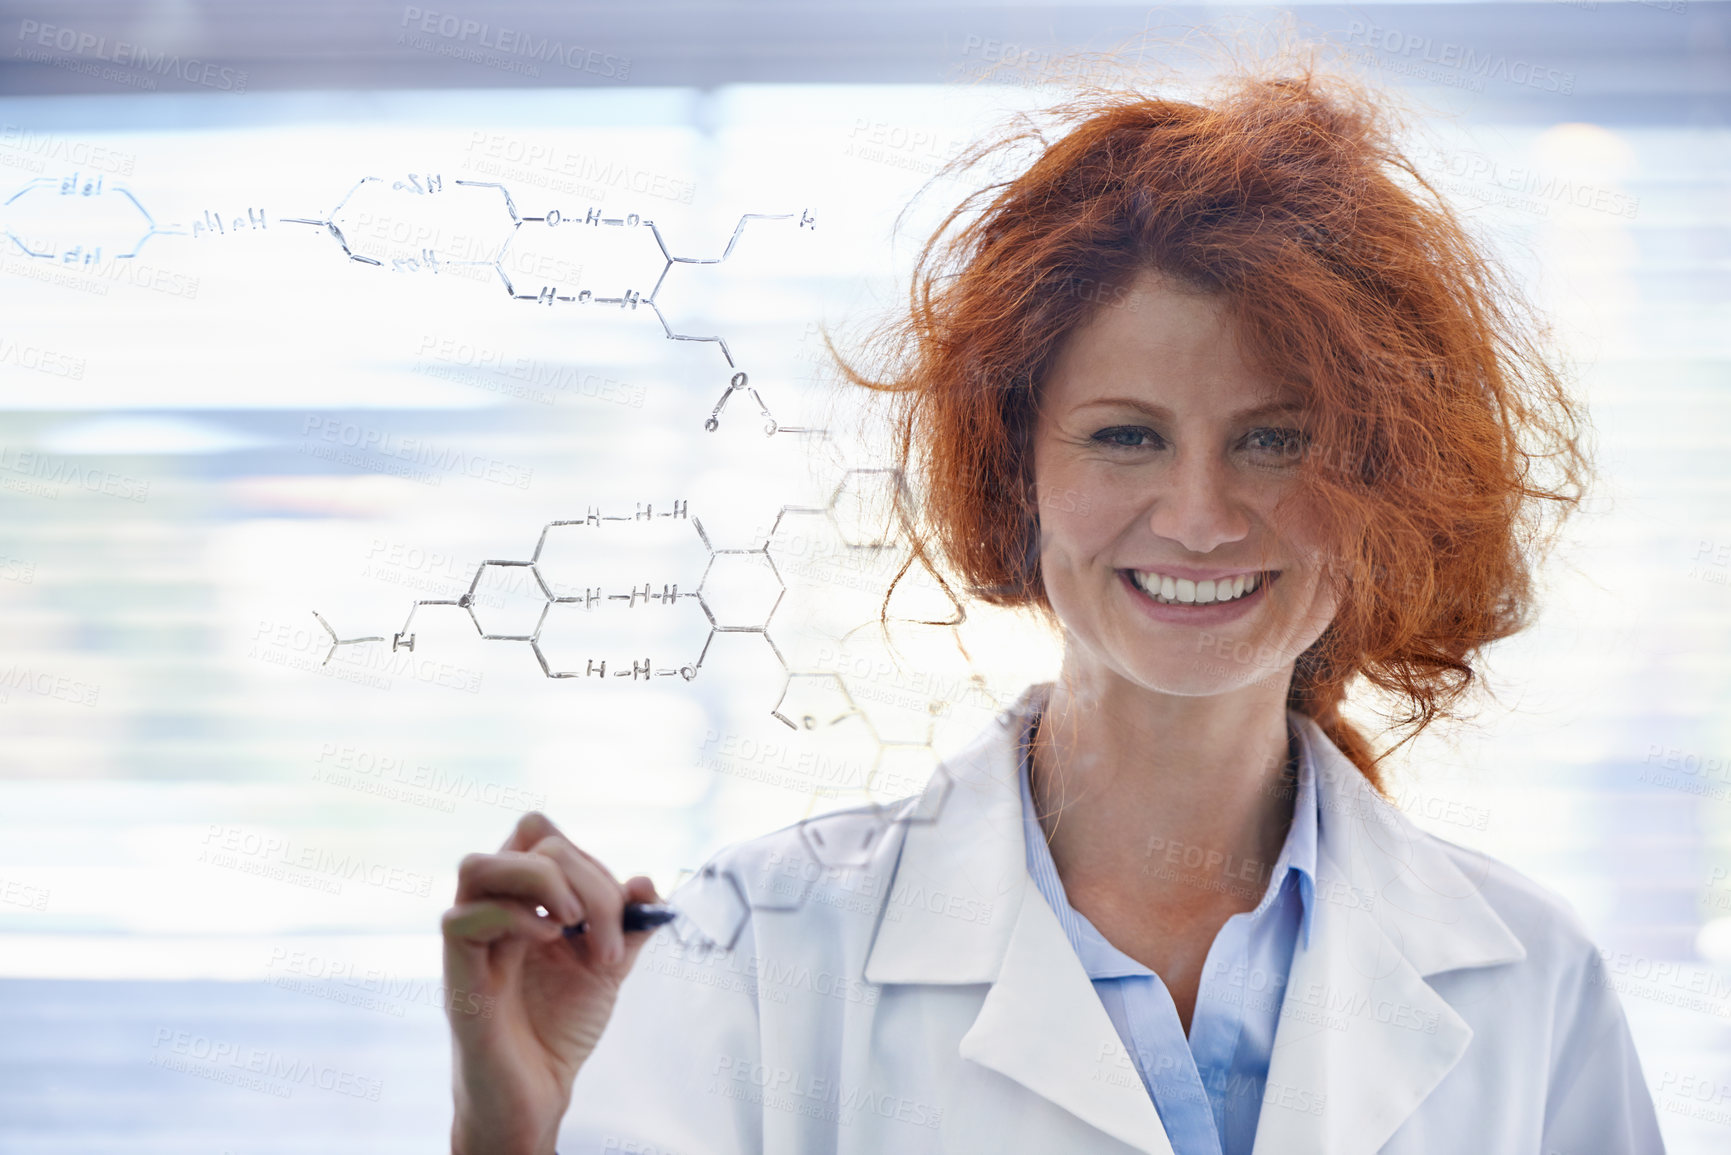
(1200, 613)
(1197, 587)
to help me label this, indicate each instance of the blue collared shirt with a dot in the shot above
(1208, 1088)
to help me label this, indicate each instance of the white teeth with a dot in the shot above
(1183, 591)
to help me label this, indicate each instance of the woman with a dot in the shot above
(1224, 392)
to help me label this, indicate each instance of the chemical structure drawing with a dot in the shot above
(83, 220)
(336, 641)
(577, 623)
(715, 904)
(555, 601)
(41, 218)
(861, 515)
(737, 592)
(86, 220)
(554, 610)
(492, 237)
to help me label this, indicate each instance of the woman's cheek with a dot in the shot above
(1063, 528)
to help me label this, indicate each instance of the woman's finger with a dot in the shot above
(602, 896)
(639, 888)
(534, 878)
(486, 921)
(530, 829)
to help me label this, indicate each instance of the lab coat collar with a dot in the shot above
(1103, 960)
(1362, 1038)
(965, 911)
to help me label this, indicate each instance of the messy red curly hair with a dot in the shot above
(1439, 430)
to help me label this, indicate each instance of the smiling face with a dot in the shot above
(1161, 461)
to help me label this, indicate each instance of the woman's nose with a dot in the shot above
(1195, 506)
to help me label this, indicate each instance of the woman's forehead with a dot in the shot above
(1259, 408)
(1162, 373)
(1156, 338)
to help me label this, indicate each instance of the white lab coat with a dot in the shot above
(917, 995)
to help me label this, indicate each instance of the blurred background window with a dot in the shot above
(321, 307)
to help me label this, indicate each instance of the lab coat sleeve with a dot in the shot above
(677, 1067)
(1598, 1102)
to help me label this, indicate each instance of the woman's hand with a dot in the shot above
(527, 1004)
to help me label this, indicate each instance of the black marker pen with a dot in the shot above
(637, 916)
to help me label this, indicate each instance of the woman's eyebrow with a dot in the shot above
(1266, 409)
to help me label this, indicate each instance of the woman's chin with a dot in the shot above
(1194, 682)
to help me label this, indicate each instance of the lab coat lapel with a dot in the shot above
(1043, 1025)
(962, 909)
(1363, 1038)
(957, 884)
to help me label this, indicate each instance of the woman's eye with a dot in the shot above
(1282, 444)
(1129, 436)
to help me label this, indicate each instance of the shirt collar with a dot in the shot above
(1103, 960)
(1299, 852)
